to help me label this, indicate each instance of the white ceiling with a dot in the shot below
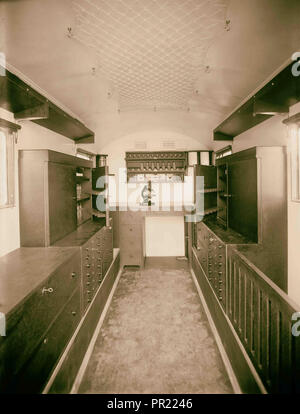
(154, 50)
(136, 56)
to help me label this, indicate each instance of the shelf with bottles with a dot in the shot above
(156, 155)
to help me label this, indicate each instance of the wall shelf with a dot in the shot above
(26, 103)
(274, 97)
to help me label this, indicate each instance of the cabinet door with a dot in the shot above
(131, 245)
(34, 374)
(242, 211)
(62, 200)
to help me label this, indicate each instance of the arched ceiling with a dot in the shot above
(152, 51)
(113, 60)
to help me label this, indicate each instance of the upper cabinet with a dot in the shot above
(48, 199)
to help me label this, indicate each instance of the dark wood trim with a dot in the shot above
(36, 112)
(240, 362)
(283, 91)
(269, 108)
(18, 97)
(219, 136)
(6, 124)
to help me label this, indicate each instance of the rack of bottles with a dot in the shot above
(162, 162)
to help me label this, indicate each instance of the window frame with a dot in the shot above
(9, 130)
(295, 162)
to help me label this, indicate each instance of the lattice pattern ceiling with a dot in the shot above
(152, 51)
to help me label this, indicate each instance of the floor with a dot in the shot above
(156, 337)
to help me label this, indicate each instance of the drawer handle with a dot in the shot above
(45, 290)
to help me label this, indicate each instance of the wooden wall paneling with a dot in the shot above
(268, 314)
(244, 370)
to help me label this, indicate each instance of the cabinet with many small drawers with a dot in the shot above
(211, 253)
(97, 255)
(94, 240)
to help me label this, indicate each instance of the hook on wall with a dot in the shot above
(70, 33)
(227, 25)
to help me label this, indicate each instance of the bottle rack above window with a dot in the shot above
(164, 162)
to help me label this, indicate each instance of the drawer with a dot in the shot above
(34, 374)
(130, 217)
(29, 321)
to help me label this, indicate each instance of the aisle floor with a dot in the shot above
(156, 337)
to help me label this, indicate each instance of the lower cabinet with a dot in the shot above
(131, 238)
(30, 322)
(33, 376)
(41, 326)
(211, 253)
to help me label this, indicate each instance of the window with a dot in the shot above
(295, 162)
(223, 152)
(7, 169)
(293, 124)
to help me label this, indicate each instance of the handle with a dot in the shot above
(45, 290)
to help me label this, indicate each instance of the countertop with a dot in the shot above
(24, 269)
(228, 236)
(81, 235)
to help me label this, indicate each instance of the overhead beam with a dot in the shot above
(220, 136)
(261, 107)
(30, 114)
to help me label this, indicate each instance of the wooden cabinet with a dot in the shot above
(131, 243)
(252, 200)
(211, 253)
(35, 372)
(31, 315)
(206, 190)
(94, 240)
(48, 201)
(50, 291)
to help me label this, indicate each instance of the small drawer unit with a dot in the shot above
(88, 272)
(211, 253)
